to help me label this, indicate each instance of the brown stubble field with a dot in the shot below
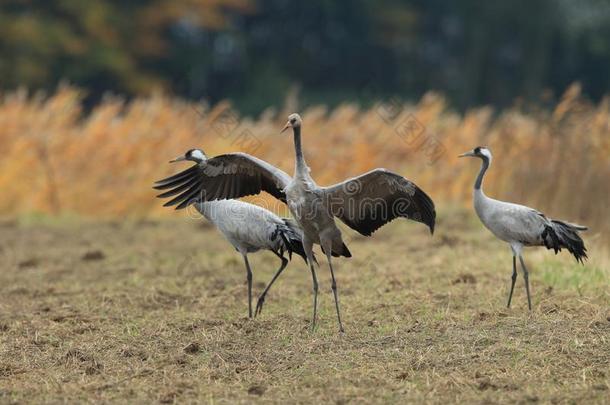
(155, 310)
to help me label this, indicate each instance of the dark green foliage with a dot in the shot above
(254, 51)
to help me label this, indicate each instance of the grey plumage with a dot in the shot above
(522, 226)
(248, 227)
(364, 203)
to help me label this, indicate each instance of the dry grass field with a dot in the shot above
(105, 296)
(155, 310)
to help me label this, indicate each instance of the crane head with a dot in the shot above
(481, 152)
(294, 121)
(194, 155)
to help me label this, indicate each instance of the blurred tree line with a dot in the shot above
(254, 51)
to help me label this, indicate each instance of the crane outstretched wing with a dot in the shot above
(222, 177)
(371, 200)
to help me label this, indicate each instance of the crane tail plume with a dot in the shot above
(343, 253)
(559, 235)
(292, 238)
(346, 252)
(286, 243)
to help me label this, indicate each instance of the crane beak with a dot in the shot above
(178, 159)
(288, 125)
(467, 154)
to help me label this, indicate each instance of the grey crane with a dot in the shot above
(521, 226)
(364, 203)
(249, 228)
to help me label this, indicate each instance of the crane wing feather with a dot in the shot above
(371, 200)
(228, 176)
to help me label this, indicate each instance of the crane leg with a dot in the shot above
(527, 282)
(314, 281)
(261, 299)
(335, 293)
(308, 247)
(514, 279)
(328, 250)
(249, 277)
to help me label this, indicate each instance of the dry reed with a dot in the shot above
(56, 159)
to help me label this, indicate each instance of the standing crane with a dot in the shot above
(521, 226)
(248, 227)
(364, 203)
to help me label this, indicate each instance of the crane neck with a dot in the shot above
(300, 165)
(484, 166)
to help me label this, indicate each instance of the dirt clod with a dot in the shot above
(256, 390)
(94, 368)
(486, 384)
(77, 354)
(168, 398)
(192, 348)
(133, 352)
(465, 279)
(93, 255)
(403, 376)
(29, 263)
